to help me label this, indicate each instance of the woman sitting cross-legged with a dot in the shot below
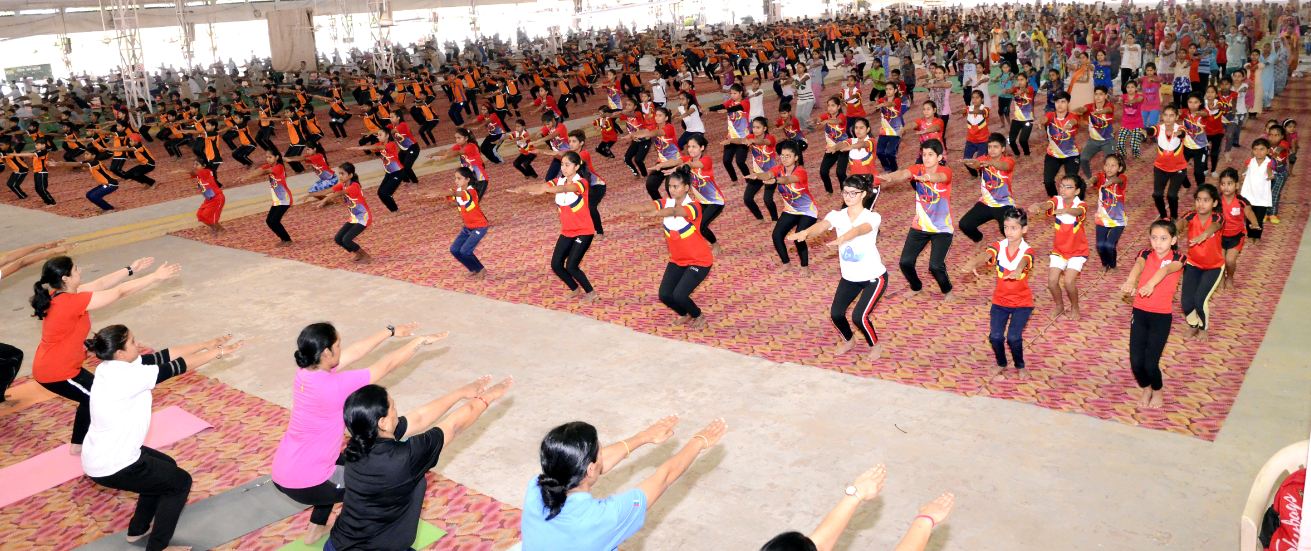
(559, 510)
(385, 481)
(114, 454)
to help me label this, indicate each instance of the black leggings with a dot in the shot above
(708, 214)
(677, 285)
(565, 260)
(524, 164)
(321, 497)
(162, 487)
(1147, 336)
(916, 240)
(869, 293)
(786, 223)
(735, 154)
(346, 236)
(1199, 285)
(978, 215)
(749, 198)
(41, 181)
(138, 173)
(655, 182)
(490, 147)
(77, 389)
(635, 156)
(1214, 142)
(1019, 136)
(274, 221)
(1160, 194)
(390, 183)
(11, 359)
(839, 159)
(15, 183)
(595, 193)
(1051, 165)
(1198, 158)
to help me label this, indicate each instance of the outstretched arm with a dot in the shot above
(100, 299)
(930, 516)
(397, 358)
(359, 349)
(868, 485)
(18, 259)
(462, 418)
(113, 278)
(658, 432)
(673, 468)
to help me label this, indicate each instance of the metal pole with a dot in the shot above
(127, 31)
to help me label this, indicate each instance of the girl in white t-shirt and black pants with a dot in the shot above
(114, 454)
(863, 275)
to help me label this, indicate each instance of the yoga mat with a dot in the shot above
(428, 534)
(214, 521)
(21, 397)
(57, 466)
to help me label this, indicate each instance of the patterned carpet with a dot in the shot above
(239, 448)
(70, 186)
(757, 308)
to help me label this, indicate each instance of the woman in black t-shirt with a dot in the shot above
(385, 480)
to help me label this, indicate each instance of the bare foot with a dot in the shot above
(1144, 396)
(843, 347)
(1021, 374)
(590, 297)
(178, 548)
(875, 352)
(577, 292)
(75, 449)
(480, 274)
(1192, 333)
(314, 532)
(1201, 335)
(1158, 400)
(1073, 313)
(698, 322)
(715, 249)
(363, 257)
(948, 297)
(284, 243)
(1060, 311)
(682, 320)
(997, 372)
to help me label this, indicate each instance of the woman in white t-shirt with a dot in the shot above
(114, 454)
(863, 273)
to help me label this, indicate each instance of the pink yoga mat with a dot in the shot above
(57, 466)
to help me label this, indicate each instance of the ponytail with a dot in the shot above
(363, 409)
(53, 273)
(105, 342)
(566, 454)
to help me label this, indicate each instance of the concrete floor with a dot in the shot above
(1025, 477)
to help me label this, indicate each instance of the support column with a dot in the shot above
(380, 21)
(187, 34)
(127, 32)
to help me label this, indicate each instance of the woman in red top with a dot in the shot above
(389, 151)
(1236, 214)
(929, 126)
(63, 304)
(1213, 123)
(211, 210)
(690, 255)
(348, 188)
(1170, 166)
(764, 156)
(1206, 259)
(474, 228)
(1151, 283)
(1012, 299)
(276, 172)
(576, 229)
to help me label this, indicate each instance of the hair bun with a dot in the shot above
(300, 359)
(90, 344)
(549, 483)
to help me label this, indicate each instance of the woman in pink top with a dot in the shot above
(305, 466)
(1130, 136)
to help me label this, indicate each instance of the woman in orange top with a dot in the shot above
(1205, 262)
(690, 255)
(63, 303)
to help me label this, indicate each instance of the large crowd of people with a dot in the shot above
(1191, 82)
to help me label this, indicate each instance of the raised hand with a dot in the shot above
(939, 508)
(712, 433)
(166, 270)
(142, 263)
(661, 430)
(869, 484)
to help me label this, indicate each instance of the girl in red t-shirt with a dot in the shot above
(1150, 287)
(1012, 299)
(1205, 262)
(690, 255)
(570, 190)
(929, 127)
(1069, 241)
(1170, 166)
(211, 209)
(1236, 214)
(474, 226)
(348, 188)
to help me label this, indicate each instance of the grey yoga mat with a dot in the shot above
(217, 520)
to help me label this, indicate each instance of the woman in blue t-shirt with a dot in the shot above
(559, 510)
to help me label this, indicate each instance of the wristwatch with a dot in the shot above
(129, 270)
(392, 328)
(852, 491)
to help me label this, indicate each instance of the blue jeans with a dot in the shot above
(1107, 241)
(97, 195)
(1000, 335)
(886, 151)
(973, 150)
(463, 246)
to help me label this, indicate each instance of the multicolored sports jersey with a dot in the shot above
(1022, 104)
(860, 158)
(391, 156)
(633, 122)
(575, 218)
(1110, 200)
(559, 137)
(703, 180)
(796, 195)
(1060, 140)
(355, 202)
(1194, 129)
(851, 98)
(890, 122)
(1226, 105)
(1100, 126)
(1209, 254)
(1012, 293)
(835, 129)
(932, 201)
(687, 246)
(1234, 213)
(1169, 148)
(791, 128)
(738, 125)
(763, 155)
(471, 159)
(471, 209)
(995, 182)
(665, 144)
(278, 189)
(614, 99)
(1070, 239)
(924, 124)
(976, 126)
